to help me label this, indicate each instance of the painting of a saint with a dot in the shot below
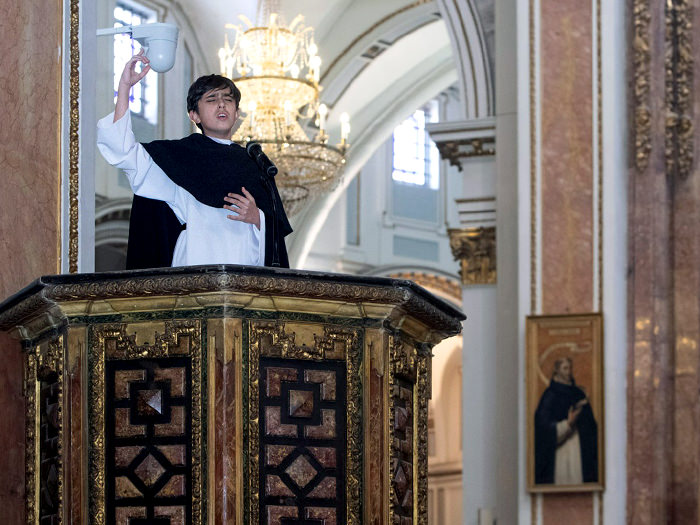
(565, 403)
(566, 433)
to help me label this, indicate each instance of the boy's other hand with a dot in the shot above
(244, 205)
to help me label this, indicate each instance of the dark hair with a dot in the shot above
(559, 362)
(205, 84)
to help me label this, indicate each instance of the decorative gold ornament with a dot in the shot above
(74, 139)
(111, 341)
(43, 363)
(454, 150)
(279, 339)
(475, 248)
(642, 81)
(278, 68)
(679, 143)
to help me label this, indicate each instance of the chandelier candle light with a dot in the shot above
(277, 69)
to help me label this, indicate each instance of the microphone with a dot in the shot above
(255, 152)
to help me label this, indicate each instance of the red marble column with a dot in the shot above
(663, 445)
(12, 423)
(30, 75)
(567, 156)
(567, 186)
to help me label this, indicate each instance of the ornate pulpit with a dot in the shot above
(226, 394)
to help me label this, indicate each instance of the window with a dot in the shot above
(415, 169)
(352, 231)
(143, 100)
(416, 158)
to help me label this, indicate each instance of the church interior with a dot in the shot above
(529, 162)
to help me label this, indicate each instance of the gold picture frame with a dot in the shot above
(565, 409)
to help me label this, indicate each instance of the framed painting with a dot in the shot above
(564, 382)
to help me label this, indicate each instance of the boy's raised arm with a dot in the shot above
(128, 79)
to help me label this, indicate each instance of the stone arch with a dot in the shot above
(471, 70)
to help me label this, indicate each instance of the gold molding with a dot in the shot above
(228, 284)
(423, 395)
(454, 150)
(40, 360)
(406, 363)
(532, 82)
(165, 345)
(74, 137)
(31, 454)
(475, 248)
(641, 59)
(679, 136)
(271, 338)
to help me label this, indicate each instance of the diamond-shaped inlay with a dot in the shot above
(150, 402)
(400, 418)
(301, 403)
(301, 472)
(401, 482)
(149, 470)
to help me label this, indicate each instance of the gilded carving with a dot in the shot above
(679, 86)
(404, 359)
(402, 423)
(421, 442)
(475, 248)
(641, 59)
(226, 281)
(174, 341)
(272, 339)
(96, 410)
(31, 453)
(111, 341)
(354, 421)
(74, 137)
(453, 150)
(41, 362)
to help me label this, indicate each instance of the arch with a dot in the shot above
(450, 396)
(470, 50)
(424, 87)
(445, 285)
(468, 65)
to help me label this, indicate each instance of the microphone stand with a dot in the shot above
(267, 180)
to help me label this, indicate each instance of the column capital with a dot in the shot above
(475, 248)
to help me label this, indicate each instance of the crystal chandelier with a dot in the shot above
(277, 69)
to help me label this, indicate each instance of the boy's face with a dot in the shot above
(217, 113)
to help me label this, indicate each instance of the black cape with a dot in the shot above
(209, 171)
(553, 407)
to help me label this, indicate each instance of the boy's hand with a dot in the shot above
(129, 76)
(128, 79)
(244, 205)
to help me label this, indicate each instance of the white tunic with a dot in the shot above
(210, 237)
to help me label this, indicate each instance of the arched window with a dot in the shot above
(415, 170)
(143, 100)
(416, 158)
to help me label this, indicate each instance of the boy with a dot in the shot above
(180, 214)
